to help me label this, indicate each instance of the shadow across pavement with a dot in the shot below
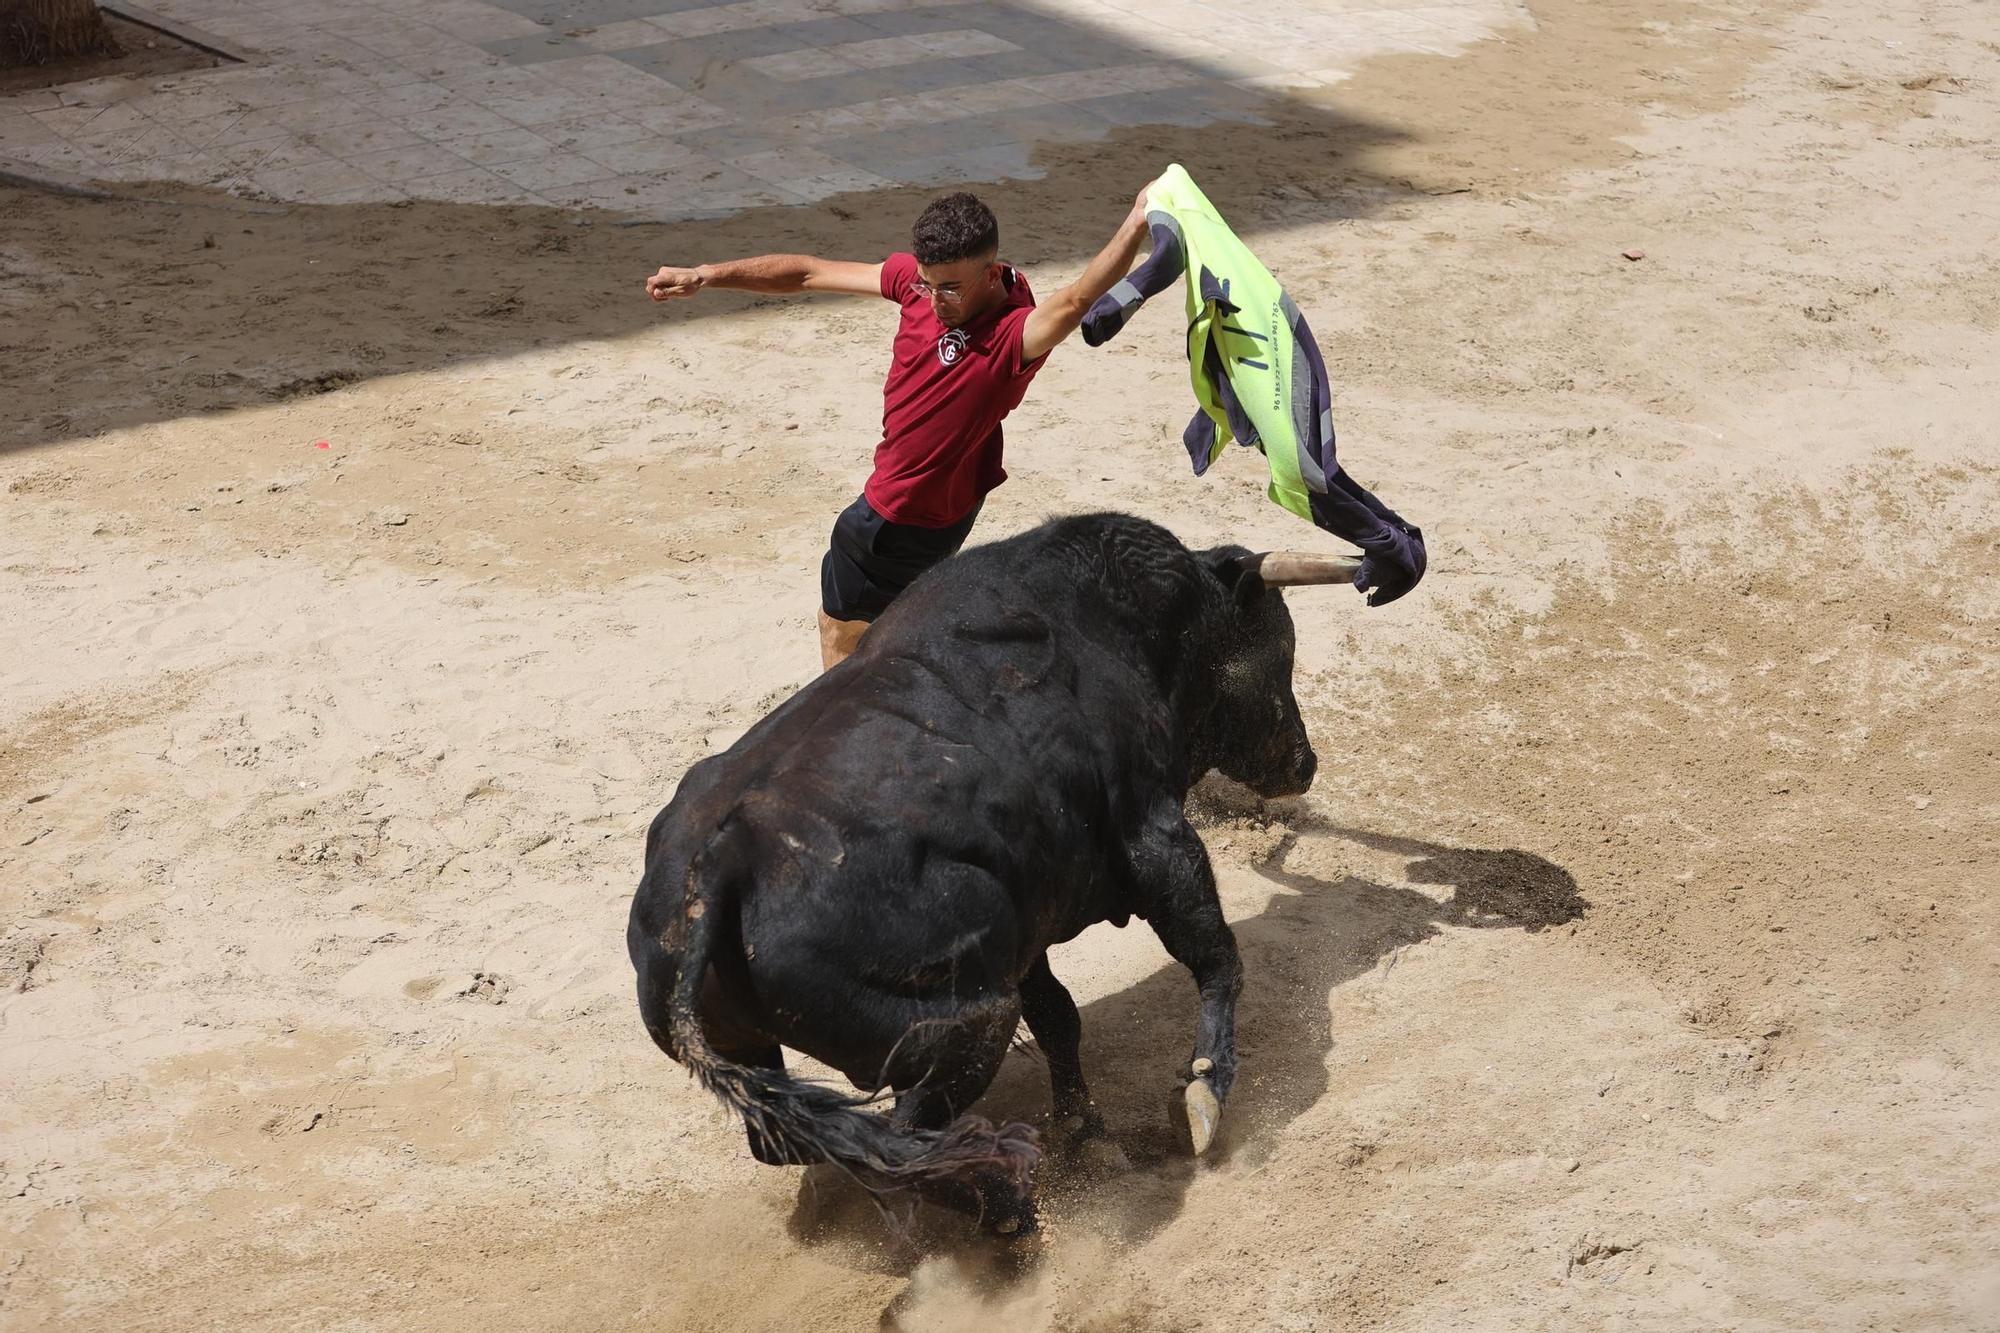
(131, 312)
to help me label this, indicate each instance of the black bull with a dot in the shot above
(873, 875)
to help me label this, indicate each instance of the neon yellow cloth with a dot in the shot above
(1239, 327)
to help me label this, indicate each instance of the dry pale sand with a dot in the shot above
(326, 771)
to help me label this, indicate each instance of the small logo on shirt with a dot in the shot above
(951, 347)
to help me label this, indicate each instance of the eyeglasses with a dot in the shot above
(949, 293)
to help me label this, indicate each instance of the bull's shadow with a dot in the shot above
(1313, 935)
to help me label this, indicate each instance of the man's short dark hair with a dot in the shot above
(955, 227)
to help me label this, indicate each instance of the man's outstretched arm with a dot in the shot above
(1056, 318)
(780, 275)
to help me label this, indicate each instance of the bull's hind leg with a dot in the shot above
(942, 1065)
(1058, 1029)
(949, 1064)
(1186, 914)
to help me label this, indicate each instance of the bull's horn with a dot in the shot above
(1204, 1113)
(1286, 569)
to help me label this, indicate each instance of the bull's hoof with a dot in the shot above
(1103, 1157)
(1204, 1114)
(1021, 1225)
(1088, 1146)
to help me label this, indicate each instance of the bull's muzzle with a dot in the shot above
(1289, 778)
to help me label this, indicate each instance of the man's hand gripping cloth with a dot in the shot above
(1259, 378)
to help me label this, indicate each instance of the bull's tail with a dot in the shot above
(962, 1165)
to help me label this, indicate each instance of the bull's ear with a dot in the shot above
(1238, 571)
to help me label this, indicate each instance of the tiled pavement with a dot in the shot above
(683, 108)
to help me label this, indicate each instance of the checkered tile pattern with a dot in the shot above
(686, 108)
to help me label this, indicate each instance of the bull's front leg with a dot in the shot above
(1051, 1015)
(1186, 914)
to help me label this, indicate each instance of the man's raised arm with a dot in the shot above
(779, 275)
(1056, 318)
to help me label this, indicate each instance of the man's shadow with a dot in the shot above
(1312, 936)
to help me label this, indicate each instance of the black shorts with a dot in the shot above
(870, 560)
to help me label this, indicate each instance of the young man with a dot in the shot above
(971, 339)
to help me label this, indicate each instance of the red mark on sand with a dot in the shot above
(321, 444)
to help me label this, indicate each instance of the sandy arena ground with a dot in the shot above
(1633, 964)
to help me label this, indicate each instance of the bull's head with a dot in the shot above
(1258, 737)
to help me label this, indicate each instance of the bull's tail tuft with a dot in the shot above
(810, 1122)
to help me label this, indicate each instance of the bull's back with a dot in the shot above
(916, 826)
